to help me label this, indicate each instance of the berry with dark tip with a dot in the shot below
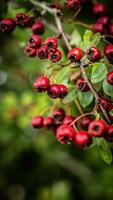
(73, 4)
(93, 54)
(7, 25)
(55, 56)
(97, 128)
(65, 134)
(37, 122)
(75, 54)
(82, 85)
(38, 28)
(51, 43)
(109, 52)
(35, 41)
(109, 134)
(42, 53)
(23, 20)
(109, 77)
(68, 119)
(48, 122)
(83, 139)
(58, 115)
(85, 121)
(98, 27)
(63, 91)
(105, 103)
(54, 91)
(41, 84)
(99, 9)
(29, 51)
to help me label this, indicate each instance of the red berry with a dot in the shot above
(93, 54)
(42, 53)
(35, 41)
(41, 84)
(104, 20)
(82, 85)
(7, 25)
(59, 115)
(65, 134)
(83, 139)
(105, 104)
(75, 54)
(109, 52)
(51, 43)
(85, 121)
(73, 4)
(110, 29)
(99, 9)
(109, 77)
(109, 134)
(48, 122)
(68, 119)
(23, 20)
(29, 51)
(98, 27)
(54, 91)
(37, 122)
(55, 56)
(38, 28)
(63, 91)
(97, 128)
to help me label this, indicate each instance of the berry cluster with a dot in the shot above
(42, 84)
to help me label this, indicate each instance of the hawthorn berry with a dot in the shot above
(65, 134)
(7, 25)
(41, 84)
(82, 85)
(104, 20)
(85, 121)
(38, 28)
(73, 4)
(23, 20)
(55, 56)
(110, 29)
(29, 51)
(98, 27)
(42, 52)
(97, 128)
(68, 119)
(105, 103)
(83, 139)
(35, 41)
(37, 122)
(99, 9)
(48, 122)
(75, 54)
(54, 91)
(51, 43)
(109, 134)
(109, 52)
(63, 91)
(93, 54)
(59, 114)
(109, 77)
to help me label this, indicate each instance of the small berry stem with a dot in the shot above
(78, 118)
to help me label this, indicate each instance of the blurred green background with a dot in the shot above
(33, 165)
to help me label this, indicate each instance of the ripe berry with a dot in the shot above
(73, 4)
(7, 25)
(110, 29)
(82, 85)
(41, 84)
(29, 51)
(38, 28)
(54, 91)
(104, 20)
(105, 104)
(97, 128)
(85, 121)
(55, 56)
(68, 119)
(63, 91)
(35, 41)
(109, 77)
(75, 54)
(98, 27)
(99, 9)
(42, 53)
(23, 20)
(83, 139)
(93, 54)
(65, 134)
(37, 122)
(48, 122)
(51, 43)
(59, 115)
(109, 134)
(109, 52)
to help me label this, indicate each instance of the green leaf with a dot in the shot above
(85, 98)
(108, 89)
(96, 39)
(75, 38)
(104, 150)
(70, 97)
(99, 72)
